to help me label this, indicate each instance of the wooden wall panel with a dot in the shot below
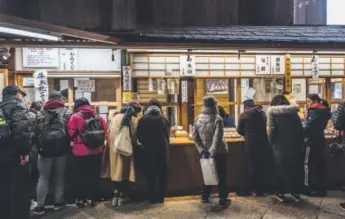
(131, 16)
(161, 12)
(313, 13)
(208, 12)
(123, 15)
(176, 12)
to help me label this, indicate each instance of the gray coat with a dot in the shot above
(208, 132)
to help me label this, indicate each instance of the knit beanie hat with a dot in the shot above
(55, 95)
(209, 101)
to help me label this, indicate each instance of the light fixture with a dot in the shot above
(28, 34)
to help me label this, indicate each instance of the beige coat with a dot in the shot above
(121, 167)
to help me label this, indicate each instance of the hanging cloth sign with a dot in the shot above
(184, 91)
(127, 78)
(315, 70)
(41, 85)
(187, 65)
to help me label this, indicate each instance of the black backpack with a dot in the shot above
(53, 134)
(5, 131)
(93, 133)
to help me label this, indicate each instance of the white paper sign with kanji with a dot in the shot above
(263, 64)
(184, 91)
(41, 85)
(127, 78)
(315, 70)
(187, 65)
(85, 85)
(40, 57)
(68, 59)
(277, 65)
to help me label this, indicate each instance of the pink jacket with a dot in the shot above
(75, 126)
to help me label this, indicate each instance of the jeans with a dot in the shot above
(47, 165)
(14, 190)
(87, 170)
(220, 161)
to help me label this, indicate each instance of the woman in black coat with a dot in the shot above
(153, 132)
(316, 123)
(252, 125)
(287, 140)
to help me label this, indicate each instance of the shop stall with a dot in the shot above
(234, 64)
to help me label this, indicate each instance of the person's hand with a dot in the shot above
(206, 155)
(24, 160)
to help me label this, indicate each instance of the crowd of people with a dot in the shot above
(282, 150)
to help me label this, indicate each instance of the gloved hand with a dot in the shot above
(206, 154)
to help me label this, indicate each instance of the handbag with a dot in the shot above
(336, 144)
(209, 172)
(123, 142)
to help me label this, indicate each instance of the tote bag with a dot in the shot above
(209, 172)
(123, 142)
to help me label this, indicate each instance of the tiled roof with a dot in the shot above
(241, 34)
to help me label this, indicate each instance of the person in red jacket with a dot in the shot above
(87, 161)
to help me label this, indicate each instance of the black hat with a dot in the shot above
(209, 101)
(12, 89)
(55, 95)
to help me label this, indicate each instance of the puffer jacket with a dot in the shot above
(75, 126)
(339, 123)
(286, 133)
(252, 125)
(317, 120)
(208, 132)
(18, 117)
(38, 126)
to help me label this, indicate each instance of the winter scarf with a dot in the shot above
(127, 117)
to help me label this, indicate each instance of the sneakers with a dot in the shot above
(80, 203)
(296, 197)
(123, 201)
(342, 206)
(280, 197)
(59, 206)
(224, 203)
(40, 211)
(115, 201)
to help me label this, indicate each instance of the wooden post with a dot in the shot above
(287, 76)
(70, 93)
(238, 96)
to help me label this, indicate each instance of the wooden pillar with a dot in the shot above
(187, 109)
(328, 92)
(70, 93)
(238, 97)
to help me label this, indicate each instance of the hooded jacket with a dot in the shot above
(316, 123)
(18, 117)
(51, 108)
(286, 133)
(252, 125)
(208, 132)
(339, 123)
(154, 131)
(75, 126)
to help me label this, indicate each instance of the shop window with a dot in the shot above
(337, 88)
(316, 86)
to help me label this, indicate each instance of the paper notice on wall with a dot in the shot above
(68, 59)
(250, 94)
(28, 82)
(187, 65)
(263, 64)
(184, 91)
(103, 109)
(151, 88)
(277, 64)
(86, 84)
(41, 85)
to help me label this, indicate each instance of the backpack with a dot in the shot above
(5, 131)
(93, 133)
(53, 134)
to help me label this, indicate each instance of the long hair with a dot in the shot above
(279, 100)
(222, 112)
(36, 106)
(80, 102)
(314, 97)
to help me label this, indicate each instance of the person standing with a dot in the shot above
(52, 143)
(15, 145)
(208, 138)
(286, 137)
(154, 133)
(122, 169)
(87, 132)
(316, 123)
(252, 126)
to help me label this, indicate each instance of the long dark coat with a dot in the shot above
(252, 125)
(287, 141)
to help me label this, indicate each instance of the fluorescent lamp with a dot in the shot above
(28, 34)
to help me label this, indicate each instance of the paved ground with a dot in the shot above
(242, 207)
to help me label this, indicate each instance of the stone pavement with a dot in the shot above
(242, 207)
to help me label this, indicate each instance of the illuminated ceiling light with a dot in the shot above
(28, 34)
